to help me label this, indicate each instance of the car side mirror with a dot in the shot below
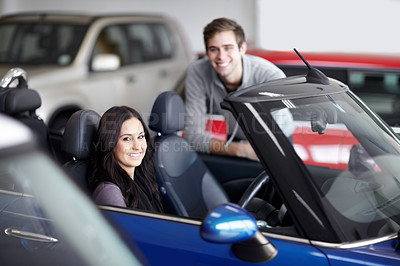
(230, 224)
(106, 62)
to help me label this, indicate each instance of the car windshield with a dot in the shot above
(335, 132)
(40, 43)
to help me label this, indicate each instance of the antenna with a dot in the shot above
(302, 58)
(314, 75)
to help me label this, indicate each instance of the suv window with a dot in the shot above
(135, 43)
(112, 40)
(149, 42)
(44, 43)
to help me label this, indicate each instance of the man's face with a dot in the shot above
(225, 56)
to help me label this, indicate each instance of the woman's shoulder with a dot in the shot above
(109, 194)
(106, 185)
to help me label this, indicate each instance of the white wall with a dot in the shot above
(335, 25)
(308, 25)
(192, 15)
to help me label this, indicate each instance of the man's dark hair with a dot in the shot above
(223, 24)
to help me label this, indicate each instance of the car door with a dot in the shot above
(148, 64)
(156, 62)
(27, 235)
(46, 220)
(104, 88)
(166, 239)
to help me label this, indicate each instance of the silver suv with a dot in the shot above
(95, 62)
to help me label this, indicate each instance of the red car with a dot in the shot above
(375, 78)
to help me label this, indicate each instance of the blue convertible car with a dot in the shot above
(325, 192)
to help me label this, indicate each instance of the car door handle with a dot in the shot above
(30, 235)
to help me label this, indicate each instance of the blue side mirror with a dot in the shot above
(228, 224)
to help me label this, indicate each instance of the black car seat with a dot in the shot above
(21, 103)
(78, 143)
(185, 182)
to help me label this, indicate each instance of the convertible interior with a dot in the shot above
(191, 183)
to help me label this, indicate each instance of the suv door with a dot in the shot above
(147, 66)
(151, 46)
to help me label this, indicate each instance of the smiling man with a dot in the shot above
(226, 68)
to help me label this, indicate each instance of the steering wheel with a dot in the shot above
(262, 180)
(261, 209)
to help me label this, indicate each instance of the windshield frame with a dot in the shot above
(312, 212)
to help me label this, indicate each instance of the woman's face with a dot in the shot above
(131, 146)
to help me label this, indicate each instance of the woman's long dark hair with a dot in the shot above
(104, 166)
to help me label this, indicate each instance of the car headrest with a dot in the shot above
(19, 100)
(79, 133)
(168, 113)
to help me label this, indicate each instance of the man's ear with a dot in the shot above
(243, 48)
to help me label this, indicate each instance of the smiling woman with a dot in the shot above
(131, 146)
(121, 172)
